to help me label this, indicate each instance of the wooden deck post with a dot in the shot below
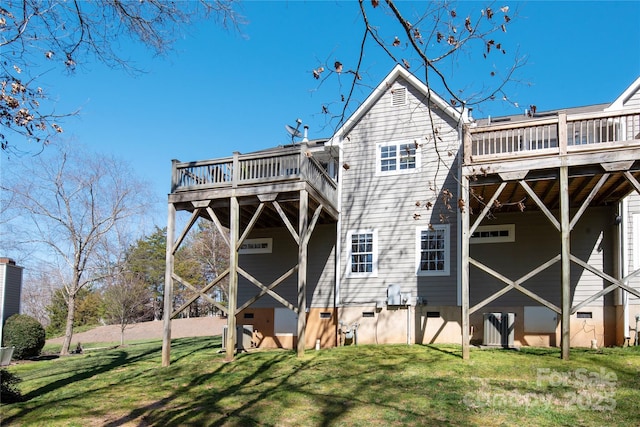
(467, 144)
(168, 287)
(563, 141)
(464, 286)
(565, 252)
(302, 270)
(234, 225)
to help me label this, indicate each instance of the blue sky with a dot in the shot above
(221, 91)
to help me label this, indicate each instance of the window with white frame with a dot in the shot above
(363, 253)
(397, 157)
(494, 234)
(433, 250)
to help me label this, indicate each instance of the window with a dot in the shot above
(400, 157)
(363, 256)
(256, 246)
(494, 234)
(433, 250)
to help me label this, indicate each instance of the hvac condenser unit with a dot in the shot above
(244, 337)
(499, 329)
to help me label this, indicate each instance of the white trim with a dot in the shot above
(618, 104)
(338, 253)
(459, 232)
(397, 170)
(385, 85)
(509, 228)
(635, 229)
(374, 257)
(447, 250)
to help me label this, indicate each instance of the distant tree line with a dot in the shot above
(135, 293)
(76, 217)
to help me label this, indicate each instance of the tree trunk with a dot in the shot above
(68, 333)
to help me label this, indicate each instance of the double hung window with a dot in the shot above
(433, 250)
(363, 256)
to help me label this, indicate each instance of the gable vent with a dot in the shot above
(399, 96)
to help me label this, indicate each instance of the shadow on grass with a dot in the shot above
(88, 366)
(114, 360)
(391, 384)
(256, 381)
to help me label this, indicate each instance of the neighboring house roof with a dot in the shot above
(620, 102)
(312, 144)
(397, 72)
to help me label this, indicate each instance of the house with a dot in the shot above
(10, 290)
(415, 223)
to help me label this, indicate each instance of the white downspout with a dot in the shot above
(408, 322)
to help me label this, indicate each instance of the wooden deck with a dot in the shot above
(284, 187)
(560, 165)
(561, 134)
(274, 175)
(286, 165)
(590, 144)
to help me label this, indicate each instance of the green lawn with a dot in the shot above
(352, 386)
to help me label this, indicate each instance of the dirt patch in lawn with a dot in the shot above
(180, 328)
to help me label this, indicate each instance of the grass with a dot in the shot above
(347, 386)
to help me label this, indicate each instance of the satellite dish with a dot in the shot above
(294, 131)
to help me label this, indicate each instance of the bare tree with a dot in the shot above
(208, 248)
(126, 297)
(37, 292)
(432, 40)
(70, 201)
(146, 259)
(38, 36)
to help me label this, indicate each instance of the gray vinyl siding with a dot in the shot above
(536, 242)
(284, 256)
(633, 239)
(388, 203)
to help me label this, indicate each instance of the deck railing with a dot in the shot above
(555, 135)
(289, 164)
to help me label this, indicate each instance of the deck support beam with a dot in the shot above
(565, 260)
(234, 225)
(168, 287)
(464, 288)
(303, 229)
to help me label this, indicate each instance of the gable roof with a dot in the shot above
(397, 72)
(618, 104)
